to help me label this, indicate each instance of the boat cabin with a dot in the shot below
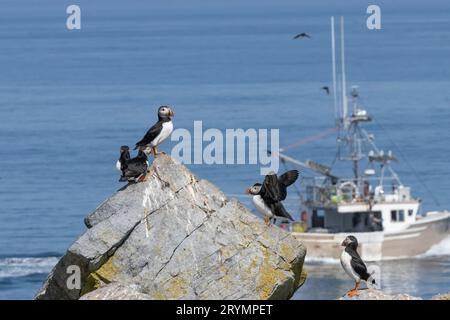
(342, 206)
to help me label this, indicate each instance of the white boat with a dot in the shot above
(372, 204)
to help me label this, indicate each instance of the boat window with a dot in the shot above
(401, 215)
(410, 212)
(393, 215)
(318, 219)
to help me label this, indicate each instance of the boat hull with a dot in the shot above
(415, 240)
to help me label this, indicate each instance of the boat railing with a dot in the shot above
(324, 192)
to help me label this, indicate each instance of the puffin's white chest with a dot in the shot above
(118, 165)
(166, 131)
(346, 264)
(261, 206)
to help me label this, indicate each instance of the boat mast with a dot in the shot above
(350, 129)
(344, 83)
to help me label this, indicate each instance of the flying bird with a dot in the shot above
(302, 35)
(353, 264)
(327, 90)
(135, 169)
(160, 131)
(124, 157)
(268, 197)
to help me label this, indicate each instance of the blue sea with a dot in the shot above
(70, 99)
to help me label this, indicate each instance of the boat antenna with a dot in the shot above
(344, 83)
(333, 59)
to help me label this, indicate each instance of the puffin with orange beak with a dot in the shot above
(353, 265)
(160, 131)
(267, 196)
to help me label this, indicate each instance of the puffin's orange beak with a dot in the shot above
(247, 191)
(171, 113)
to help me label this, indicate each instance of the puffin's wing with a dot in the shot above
(279, 210)
(358, 265)
(151, 134)
(271, 189)
(285, 180)
(288, 178)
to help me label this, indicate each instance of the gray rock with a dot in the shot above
(372, 294)
(116, 291)
(177, 237)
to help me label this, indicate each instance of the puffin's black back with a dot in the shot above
(357, 263)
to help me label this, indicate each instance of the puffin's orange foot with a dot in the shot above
(156, 152)
(267, 221)
(352, 293)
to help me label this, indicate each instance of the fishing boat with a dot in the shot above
(370, 203)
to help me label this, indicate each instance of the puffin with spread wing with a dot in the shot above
(268, 196)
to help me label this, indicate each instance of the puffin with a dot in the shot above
(267, 196)
(124, 157)
(353, 265)
(135, 169)
(160, 131)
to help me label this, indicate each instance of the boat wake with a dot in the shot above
(13, 267)
(439, 249)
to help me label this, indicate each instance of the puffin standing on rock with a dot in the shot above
(160, 131)
(353, 264)
(267, 197)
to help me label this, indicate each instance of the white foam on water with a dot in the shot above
(20, 267)
(315, 260)
(439, 249)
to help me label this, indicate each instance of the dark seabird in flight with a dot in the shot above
(124, 157)
(302, 35)
(327, 90)
(267, 197)
(353, 264)
(160, 131)
(135, 169)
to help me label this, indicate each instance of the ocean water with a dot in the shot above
(70, 99)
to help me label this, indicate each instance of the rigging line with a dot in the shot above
(311, 138)
(335, 159)
(436, 201)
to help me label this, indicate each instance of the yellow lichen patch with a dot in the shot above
(286, 252)
(268, 277)
(100, 277)
(252, 265)
(226, 279)
(175, 288)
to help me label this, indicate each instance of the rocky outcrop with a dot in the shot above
(372, 294)
(176, 237)
(441, 296)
